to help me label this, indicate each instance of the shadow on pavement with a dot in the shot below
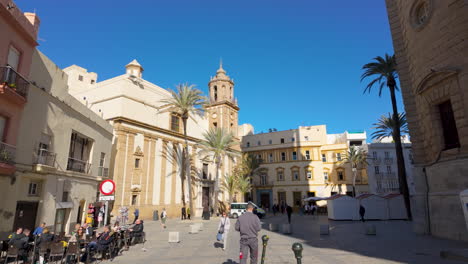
(230, 261)
(218, 245)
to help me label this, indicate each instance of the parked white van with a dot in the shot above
(237, 209)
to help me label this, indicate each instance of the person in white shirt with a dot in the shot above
(163, 218)
(307, 209)
(223, 228)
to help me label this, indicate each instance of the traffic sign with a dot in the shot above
(106, 198)
(107, 187)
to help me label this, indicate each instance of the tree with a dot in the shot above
(385, 126)
(187, 101)
(243, 185)
(248, 166)
(217, 145)
(383, 70)
(230, 184)
(357, 157)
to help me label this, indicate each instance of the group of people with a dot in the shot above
(310, 209)
(283, 208)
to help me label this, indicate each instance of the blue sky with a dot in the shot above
(295, 62)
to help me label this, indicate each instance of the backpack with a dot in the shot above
(162, 214)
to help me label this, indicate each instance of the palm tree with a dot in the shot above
(187, 101)
(385, 126)
(249, 166)
(383, 70)
(230, 184)
(357, 158)
(216, 146)
(243, 185)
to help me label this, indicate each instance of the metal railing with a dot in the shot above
(376, 160)
(388, 161)
(46, 157)
(7, 153)
(102, 171)
(78, 165)
(14, 80)
(387, 182)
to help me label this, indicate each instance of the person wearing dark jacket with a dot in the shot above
(289, 211)
(248, 225)
(44, 238)
(136, 231)
(102, 242)
(362, 212)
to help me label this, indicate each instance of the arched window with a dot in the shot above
(216, 93)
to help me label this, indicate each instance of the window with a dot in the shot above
(283, 156)
(80, 149)
(293, 139)
(340, 175)
(215, 124)
(280, 176)
(134, 199)
(259, 158)
(306, 138)
(389, 169)
(263, 179)
(175, 122)
(205, 171)
(80, 77)
(324, 158)
(102, 159)
(216, 93)
(310, 194)
(374, 154)
(376, 169)
(259, 143)
(14, 58)
(33, 189)
(294, 155)
(65, 197)
(137, 163)
(307, 155)
(355, 143)
(309, 175)
(93, 81)
(270, 141)
(387, 155)
(338, 156)
(248, 144)
(295, 175)
(3, 123)
(270, 157)
(282, 140)
(449, 127)
(325, 176)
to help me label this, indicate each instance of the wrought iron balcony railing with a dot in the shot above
(7, 153)
(9, 77)
(46, 157)
(78, 165)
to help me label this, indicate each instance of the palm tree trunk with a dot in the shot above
(403, 183)
(354, 182)
(186, 166)
(216, 187)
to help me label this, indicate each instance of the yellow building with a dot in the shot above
(303, 162)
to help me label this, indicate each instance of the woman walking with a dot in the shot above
(223, 228)
(163, 218)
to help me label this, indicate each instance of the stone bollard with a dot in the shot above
(265, 242)
(194, 229)
(273, 227)
(324, 229)
(297, 249)
(286, 228)
(371, 230)
(174, 237)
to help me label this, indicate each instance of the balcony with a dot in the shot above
(260, 183)
(376, 161)
(388, 161)
(45, 161)
(78, 165)
(7, 159)
(103, 172)
(10, 80)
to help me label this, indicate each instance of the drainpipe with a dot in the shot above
(428, 212)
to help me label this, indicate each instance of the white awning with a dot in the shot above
(315, 199)
(64, 205)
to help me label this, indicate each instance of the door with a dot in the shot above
(282, 198)
(265, 200)
(206, 199)
(25, 215)
(296, 201)
(60, 220)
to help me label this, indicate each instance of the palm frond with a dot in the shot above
(385, 125)
(384, 71)
(186, 100)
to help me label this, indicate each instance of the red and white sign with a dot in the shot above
(107, 187)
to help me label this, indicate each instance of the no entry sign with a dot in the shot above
(107, 187)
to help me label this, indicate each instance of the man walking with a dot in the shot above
(248, 225)
(136, 213)
(289, 211)
(184, 213)
(362, 212)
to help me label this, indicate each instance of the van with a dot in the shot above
(237, 209)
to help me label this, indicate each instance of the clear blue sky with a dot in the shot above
(295, 62)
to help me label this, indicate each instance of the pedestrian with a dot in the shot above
(282, 208)
(248, 225)
(274, 209)
(188, 213)
(184, 213)
(136, 213)
(211, 210)
(362, 212)
(39, 229)
(289, 212)
(163, 218)
(223, 228)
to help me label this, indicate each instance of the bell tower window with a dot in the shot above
(216, 93)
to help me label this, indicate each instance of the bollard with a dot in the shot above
(297, 249)
(265, 242)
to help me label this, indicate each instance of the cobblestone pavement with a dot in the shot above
(347, 243)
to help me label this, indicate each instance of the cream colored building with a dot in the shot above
(62, 151)
(430, 42)
(148, 139)
(302, 162)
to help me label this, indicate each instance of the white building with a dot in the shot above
(383, 169)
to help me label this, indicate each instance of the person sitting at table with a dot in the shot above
(101, 244)
(21, 242)
(16, 236)
(78, 236)
(136, 231)
(116, 227)
(75, 230)
(45, 237)
(88, 229)
(39, 229)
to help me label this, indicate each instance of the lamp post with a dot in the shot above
(297, 249)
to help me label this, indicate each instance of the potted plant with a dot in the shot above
(12, 86)
(2, 86)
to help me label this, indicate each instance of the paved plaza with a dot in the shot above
(347, 243)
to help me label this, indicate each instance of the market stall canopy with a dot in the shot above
(308, 199)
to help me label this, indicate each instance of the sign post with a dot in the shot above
(106, 188)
